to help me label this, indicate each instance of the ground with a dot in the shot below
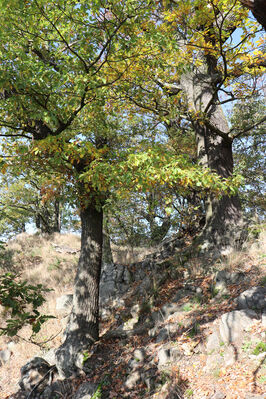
(196, 370)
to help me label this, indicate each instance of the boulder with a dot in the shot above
(59, 389)
(132, 379)
(234, 324)
(164, 356)
(86, 390)
(254, 298)
(5, 355)
(33, 373)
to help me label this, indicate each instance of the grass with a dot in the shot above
(57, 271)
(259, 348)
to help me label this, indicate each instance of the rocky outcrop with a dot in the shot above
(254, 298)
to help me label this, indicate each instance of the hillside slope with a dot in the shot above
(179, 330)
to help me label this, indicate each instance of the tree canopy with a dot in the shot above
(76, 80)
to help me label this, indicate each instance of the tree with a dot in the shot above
(24, 199)
(249, 152)
(64, 67)
(258, 9)
(57, 61)
(201, 68)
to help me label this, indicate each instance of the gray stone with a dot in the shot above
(175, 354)
(169, 308)
(49, 356)
(213, 362)
(86, 390)
(229, 356)
(59, 389)
(157, 316)
(153, 332)
(225, 277)
(64, 304)
(254, 298)
(254, 396)
(139, 354)
(233, 325)
(5, 355)
(33, 372)
(164, 356)
(213, 343)
(134, 311)
(181, 294)
(163, 335)
(218, 395)
(132, 379)
(133, 364)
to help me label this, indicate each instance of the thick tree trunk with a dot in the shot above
(82, 329)
(258, 8)
(223, 215)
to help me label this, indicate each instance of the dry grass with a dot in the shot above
(35, 258)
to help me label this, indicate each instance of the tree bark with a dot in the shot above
(258, 9)
(214, 150)
(82, 329)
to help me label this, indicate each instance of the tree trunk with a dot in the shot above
(223, 215)
(82, 329)
(258, 8)
(57, 217)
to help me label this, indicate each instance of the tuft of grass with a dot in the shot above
(55, 265)
(188, 307)
(259, 348)
(189, 393)
(246, 346)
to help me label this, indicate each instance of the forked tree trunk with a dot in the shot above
(83, 327)
(223, 215)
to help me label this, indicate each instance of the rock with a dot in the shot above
(129, 324)
(132, 379)
(50, 356)
(233, 325)
(139, 354)
(86, 390)
(64, 304)
(175, 354)
(164, 356)
(254, 298)
(213, 343)
(254, 396)
(59, 389)
(157, 316)
(153, 332)
(218, 395)
(213, 362)
(170, 308)
(33, 372)
(134, 311)
(199, 290)
(163, 335)
(229, 356)
(226, 277)
(5, 355)
(181, 294)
